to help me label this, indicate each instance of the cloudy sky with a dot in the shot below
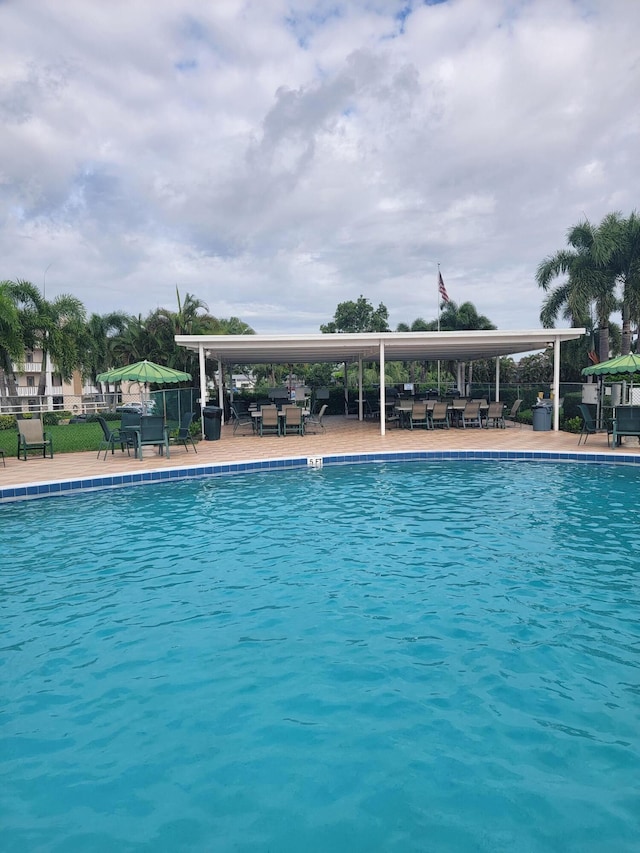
(277, 157)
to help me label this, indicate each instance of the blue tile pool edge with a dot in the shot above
(85, 484)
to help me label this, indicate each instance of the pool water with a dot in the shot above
(400, 657)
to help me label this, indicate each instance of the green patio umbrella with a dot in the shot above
(619, 365)
(144, 372)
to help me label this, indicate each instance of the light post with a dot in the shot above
(47, 361)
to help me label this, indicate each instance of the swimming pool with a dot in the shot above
(388, 657)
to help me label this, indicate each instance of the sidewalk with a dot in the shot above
(343, 435)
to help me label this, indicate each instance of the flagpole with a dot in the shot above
(438, 297)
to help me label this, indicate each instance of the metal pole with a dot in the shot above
(556, 384)
(383, 390)
(438, 298)
(203, 386)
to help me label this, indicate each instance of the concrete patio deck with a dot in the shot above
(342, 435)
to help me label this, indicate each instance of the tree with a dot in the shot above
(11, 337)
(57, 327)
(358, 316)
(617, 249)
(590, 285)
(101, 331)
(536, 368)
(465, 317)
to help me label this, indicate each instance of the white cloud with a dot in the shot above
(275, 158)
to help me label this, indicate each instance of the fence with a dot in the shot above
(171, 403)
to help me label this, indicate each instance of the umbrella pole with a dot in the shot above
(599, 404)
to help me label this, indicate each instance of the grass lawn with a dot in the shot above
(67, 438)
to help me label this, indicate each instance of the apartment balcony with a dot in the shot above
(54, 391)
(28, 367)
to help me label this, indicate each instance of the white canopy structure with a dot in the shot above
(378, 347)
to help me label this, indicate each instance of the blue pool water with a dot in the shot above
(403, 657)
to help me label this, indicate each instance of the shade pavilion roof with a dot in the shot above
(398, 346)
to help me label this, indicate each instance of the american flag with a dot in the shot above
(442, 289)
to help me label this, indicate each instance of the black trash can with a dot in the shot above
(212, 422)
(541, 417)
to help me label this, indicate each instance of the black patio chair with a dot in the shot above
(184, 433)
(589, 426)
(588, 423)
(242, 417)
(113, 437)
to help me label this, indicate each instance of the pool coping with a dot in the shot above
(53, 488)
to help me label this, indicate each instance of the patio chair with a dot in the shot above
(4, 464)
(470, 415)
(153, 432)
(419, 417)
(456, 407)
(184, 433)
(269, 421)
(130, 427)
(495, 413)
(242, 417)
(112, 437)
(32, 437)
(293, 421)
(589, 425)
(440, 415)
(511, 417)
(315, 423)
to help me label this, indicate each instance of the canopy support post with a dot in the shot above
(383, 391)
(556, 384)
(360, 400)
(346, 391)
(203, 386)
(221, 390)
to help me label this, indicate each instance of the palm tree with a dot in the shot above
(132, 344)
(617, 248)
(101, 331)
(590, 285)
(57, 327)
(11, 337)
(463, 318)
(62, 325)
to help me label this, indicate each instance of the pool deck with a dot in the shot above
(342, 436)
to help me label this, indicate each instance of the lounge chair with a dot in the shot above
(495, 413)
(293, 421)
(315, 423)
(184, 433)
(32, 437)
(113, 437)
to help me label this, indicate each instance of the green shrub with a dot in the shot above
(573, 425)
(8, 422)
(54, 418)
